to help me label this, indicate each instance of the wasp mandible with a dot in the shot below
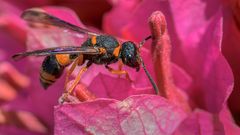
(98, 49)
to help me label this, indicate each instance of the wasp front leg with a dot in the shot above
(118, 72)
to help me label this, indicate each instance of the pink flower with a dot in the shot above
(200, 71)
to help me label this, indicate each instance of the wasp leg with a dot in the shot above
(77, 61)
(120, 65)
(119, 72)
(69, 72)
(77, 79)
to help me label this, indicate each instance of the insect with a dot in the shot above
(98, 49)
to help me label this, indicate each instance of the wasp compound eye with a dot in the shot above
(129, 55)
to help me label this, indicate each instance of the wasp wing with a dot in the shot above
(45, 31)
(39, 16)
(58, 50)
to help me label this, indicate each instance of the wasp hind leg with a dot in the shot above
(118, 72)
(76, 81)
(78, 61)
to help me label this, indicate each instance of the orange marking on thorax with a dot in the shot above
(117, 51)
(63, 59)
(102, 50)
(94, 40)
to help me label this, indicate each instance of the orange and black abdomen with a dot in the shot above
(50, 71)
(53, 67)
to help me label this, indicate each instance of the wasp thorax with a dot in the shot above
(129, 55)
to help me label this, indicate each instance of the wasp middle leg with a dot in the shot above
(78, 61)
(118, 72)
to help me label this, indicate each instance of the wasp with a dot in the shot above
(98, 49)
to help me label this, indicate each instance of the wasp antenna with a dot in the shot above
(149, 77)
(150, 36)
(143, 41)
(18, 56)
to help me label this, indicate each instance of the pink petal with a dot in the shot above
(119, 88)
(230, 127)
(181, 78)
(202, 57)
(201, 122)
(10, 20)
(230, 49)
(102, 87)
(11, 130)
(122, 9)
(145, 114)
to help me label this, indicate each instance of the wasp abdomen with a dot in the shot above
(51, 70)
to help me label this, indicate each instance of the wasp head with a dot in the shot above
(129, 55)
